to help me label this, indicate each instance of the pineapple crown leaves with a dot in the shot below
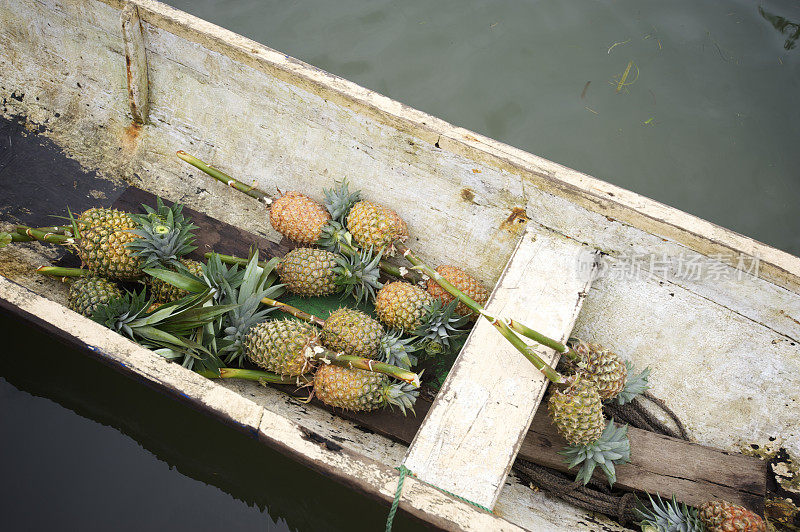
(334, 236)
(358, 275)
(257, 283)
(396, 350)
(164, 235)
(338, 200)
(634, 385)
(221, 279)
(669, 516)
(402, 395)
(440, 324)
(613, 447)
(167, 326)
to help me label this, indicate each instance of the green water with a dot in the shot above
(711, 125)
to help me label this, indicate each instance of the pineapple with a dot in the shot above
(721, 516)
(104, 250)
(280, 346)
(164, 292)
(375, 226)
(88, 293)
(309, 272)
(577, 411)
(318, 272)
(401, 305)
(107, 217)
(353, 333)
(601, 366)
(360, 390)
(464, 282)
(298, 217)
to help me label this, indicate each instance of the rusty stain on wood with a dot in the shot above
(135, 64)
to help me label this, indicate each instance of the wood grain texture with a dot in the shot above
(135, 64)
(469, 439)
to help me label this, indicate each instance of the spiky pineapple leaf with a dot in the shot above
(669, 516)
(338, 200)
(183, 280)
(611, 448)
(440, 325)
(634, 384)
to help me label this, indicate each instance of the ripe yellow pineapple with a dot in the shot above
(401, 305)
(298, 217)
(108, 217)
(577, 411)
(280, 346)
(376, 226)
(464, 282)
(722, 516)
(104, 250)
(360, 390)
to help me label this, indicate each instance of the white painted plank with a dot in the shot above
(471, 435)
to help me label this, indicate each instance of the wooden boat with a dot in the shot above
(118, 86)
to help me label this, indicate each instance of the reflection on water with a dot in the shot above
(711, 125)
(102, 450)
(791, 29)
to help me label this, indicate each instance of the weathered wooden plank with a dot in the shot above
(469, 439)
(135, 64)
(660, 464)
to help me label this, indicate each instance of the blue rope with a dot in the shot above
(404, 471)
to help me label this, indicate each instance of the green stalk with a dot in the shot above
(253, 375)
(46, 236)
(230, 259)
(351, 361)
(251, 191)
(500, 325)
(58, 271)
(527, 332)
(59, 229)
(293, 311)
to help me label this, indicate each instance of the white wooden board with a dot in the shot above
(471, 435)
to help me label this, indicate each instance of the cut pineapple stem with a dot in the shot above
(58, 229)
(501, 325)
(43, 236)
(294, 311)
(527, 332)
(251, 191)
(317, 352)
(389, 269)
(58, 271)
(253, 375)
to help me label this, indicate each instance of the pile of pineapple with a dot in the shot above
(213, 316)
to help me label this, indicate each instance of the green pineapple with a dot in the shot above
(86, 294)
(360, 390)
(577, 411)
(401, 305)
(601, 366)
(355, 333)
(105, 251)
(281, 346)
(318, 272)
(107, 217)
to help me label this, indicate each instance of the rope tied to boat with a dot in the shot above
(404, 471)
